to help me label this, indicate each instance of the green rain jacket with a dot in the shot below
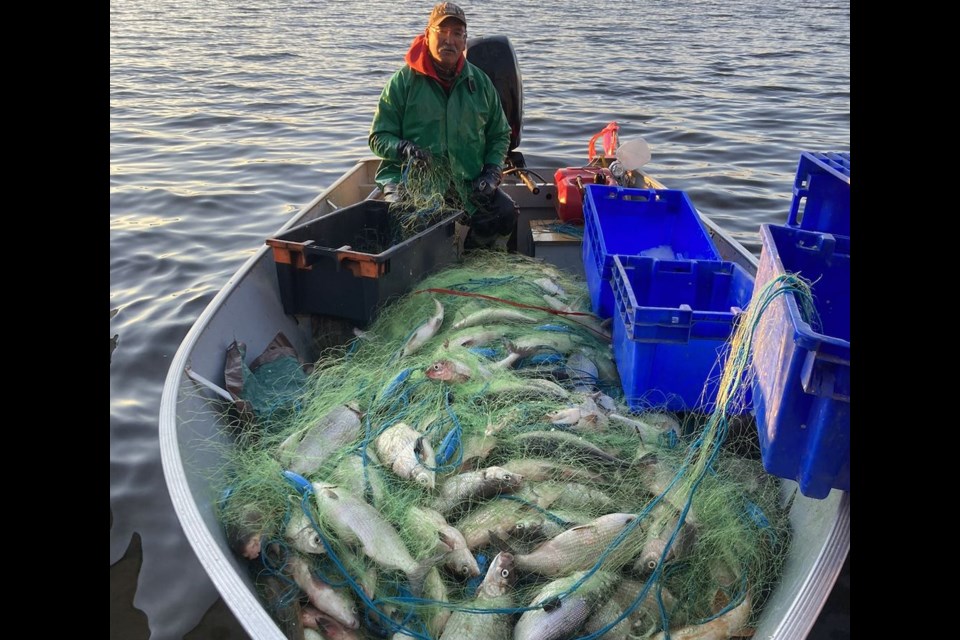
(467, 126)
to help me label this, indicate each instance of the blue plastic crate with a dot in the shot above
(671, 329)
(655, 223)
(801, 387)
(821, 193)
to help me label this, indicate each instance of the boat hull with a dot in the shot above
(249, 305)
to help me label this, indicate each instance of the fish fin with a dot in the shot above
(446, 542)
(499, 543)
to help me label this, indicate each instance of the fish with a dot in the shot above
(543, 526)
(531, 386)
(475, 336)
(301, 533)
(584, 417)
(577, 548)
(659, 525)
(551, 287)
(246, 532)
(652, 427)
(317, 624)
(582, 372)
(304, 452)
(476, 449)
(472, 485)
(361, 479)
(537, 469)
(494, 592)
(546, 341)
(459, 560)
(513, 355)
(567, 446)
(321, 595)
(422, 334)
(604, 616)
(644, 617)
(449, 370)
(561, 613)
(600, 326)
(285, 609)
(493, 316)
(499, 515)
(407, 453)
(730, 624)
(357, 522)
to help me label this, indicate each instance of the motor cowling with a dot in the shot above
(495, 55)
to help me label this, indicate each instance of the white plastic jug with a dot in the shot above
(633, 154)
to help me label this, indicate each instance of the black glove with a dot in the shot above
(489, 180)
(409, 151)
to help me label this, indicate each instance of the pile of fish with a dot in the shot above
(466, 469)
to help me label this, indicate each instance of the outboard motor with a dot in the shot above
(495, 55)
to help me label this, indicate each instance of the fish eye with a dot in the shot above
(355, 609)
(464, 569)
(316, 540)
(520, 526)
(504, 573)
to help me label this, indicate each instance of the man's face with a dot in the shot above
(447, 42)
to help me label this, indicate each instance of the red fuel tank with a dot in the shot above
(570, 182)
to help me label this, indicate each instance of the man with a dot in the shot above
(440, 108)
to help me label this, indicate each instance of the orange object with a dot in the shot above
(610, 142)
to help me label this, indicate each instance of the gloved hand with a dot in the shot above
(489, 180)
(409, 151)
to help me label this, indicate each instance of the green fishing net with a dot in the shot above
(651, 520)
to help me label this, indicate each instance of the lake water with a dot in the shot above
(227, 116)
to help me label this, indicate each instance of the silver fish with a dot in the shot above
(493, 316)
(355, 521)
(567, 446)
(537, 387)
(584, 417)
(353, 474)
(551, 287)
(495, 592)
(434, 617)
(302, 535)
(498, 516)
(305, 452)
(319, 625)
(246, 532)
(659, 526)
(425, 331)
(543, 526)
(476, 336)
(429, 523)
(539, 469)
(577, 548)
(730, 624)
(650, 426)
(605, 615)
(644, 618)
(409, 454)
(321, 595)
(472, 485)
(562, 613)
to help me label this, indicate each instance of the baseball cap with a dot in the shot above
(445, 10)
